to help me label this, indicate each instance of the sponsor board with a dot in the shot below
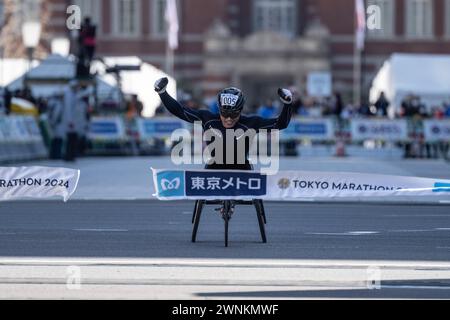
(436, 130)
(314, 129)
(158, 127)
(379, 129)
(288, 185)
(106, 128)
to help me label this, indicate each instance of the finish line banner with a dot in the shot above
(37, 182)
(288, 185)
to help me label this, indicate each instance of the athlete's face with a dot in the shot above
(228, 121)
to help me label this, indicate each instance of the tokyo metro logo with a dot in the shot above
(171, 183)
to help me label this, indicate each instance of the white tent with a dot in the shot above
(51, 76)
(137, 82)
(424, 75)
(11, 69)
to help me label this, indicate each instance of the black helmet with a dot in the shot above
(230, 101)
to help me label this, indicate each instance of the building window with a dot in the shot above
(126, 17)
(419, 18)
(91, 9)
(386, 17)
(158, 20)
(2, 13)
(275, 15)
(29, 10)
(447, 18)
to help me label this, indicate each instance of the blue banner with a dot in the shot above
(158, 127)
(316, 129)
(225, 184)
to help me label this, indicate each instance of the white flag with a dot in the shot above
(171, 16)
(360, 16)
(37, 182)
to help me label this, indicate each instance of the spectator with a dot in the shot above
(55, 117)
(7, 97)
(438, 112)
(412, 107)
(69, 118)
(447, 109)
(81, 118)
(268, 110)
(348, 112)
(161, 111)
(42, 105)
(338, 105)
(364, 110)
(382, 105)
(134, 107)
(213, 107)
(139, 105)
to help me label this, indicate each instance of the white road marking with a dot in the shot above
(421, 230)
(349, 233)
(101, 230)
(414, 287)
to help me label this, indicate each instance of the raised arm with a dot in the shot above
(174, 106)
(283, 119)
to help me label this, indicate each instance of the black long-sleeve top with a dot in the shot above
(212, 121)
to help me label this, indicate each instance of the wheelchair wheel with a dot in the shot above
(226, 218)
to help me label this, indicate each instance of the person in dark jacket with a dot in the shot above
(382, 104)
(231, 102)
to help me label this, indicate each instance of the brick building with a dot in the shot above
(255, 44)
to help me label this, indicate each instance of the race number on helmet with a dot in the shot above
(231, 99)
(228, 99)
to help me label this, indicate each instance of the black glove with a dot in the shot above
(161, 84)
(285, 95)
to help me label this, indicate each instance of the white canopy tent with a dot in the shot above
(424, 75)
(51, 76)
(11, 69)
(137, 82)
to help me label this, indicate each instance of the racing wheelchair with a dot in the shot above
(226, 210)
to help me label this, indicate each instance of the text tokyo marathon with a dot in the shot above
(33, 182)
(324, 185)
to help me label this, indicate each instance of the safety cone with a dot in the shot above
(340, 149)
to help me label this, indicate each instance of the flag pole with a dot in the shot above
(360, 26)
(357, 75)
(171, 17)
(169, 60)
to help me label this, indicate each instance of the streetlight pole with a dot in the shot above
(31, 33)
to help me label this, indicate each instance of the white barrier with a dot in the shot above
(436, 130)
(289, 185)
(159, 127)
(379, 129)
(20, 139)
(107, 128)
(37, 182)
(314, 129)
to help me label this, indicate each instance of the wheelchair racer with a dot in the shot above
(231, 102)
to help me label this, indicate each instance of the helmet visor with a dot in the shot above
(233, 114)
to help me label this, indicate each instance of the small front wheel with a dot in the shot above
(226, 220)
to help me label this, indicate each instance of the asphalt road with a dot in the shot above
(328, 242)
